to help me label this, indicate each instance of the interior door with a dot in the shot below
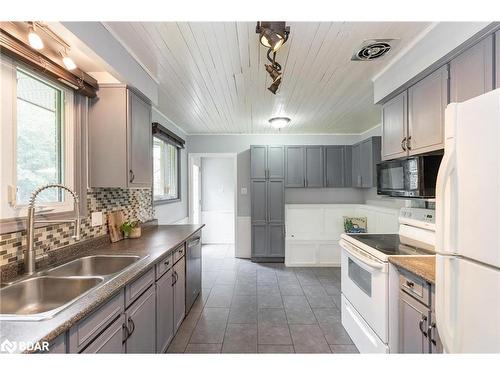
(196, 191)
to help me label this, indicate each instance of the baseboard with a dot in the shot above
(312, 264)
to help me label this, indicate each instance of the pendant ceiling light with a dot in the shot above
(279, 122)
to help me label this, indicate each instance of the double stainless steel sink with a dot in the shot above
(46, 293)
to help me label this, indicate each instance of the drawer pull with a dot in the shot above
(410, 284)
(167, 262)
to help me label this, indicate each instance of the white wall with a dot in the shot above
(217, 196)
(172, 212)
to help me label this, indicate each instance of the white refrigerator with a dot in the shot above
(468, 228)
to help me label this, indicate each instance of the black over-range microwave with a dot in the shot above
(411, 177)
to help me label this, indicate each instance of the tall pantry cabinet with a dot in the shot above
(267, 174)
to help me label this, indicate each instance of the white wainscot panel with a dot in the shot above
(219, 227)
(313, 230)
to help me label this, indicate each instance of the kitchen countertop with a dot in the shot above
(422, 266)
(155, 243)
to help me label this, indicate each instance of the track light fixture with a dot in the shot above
(34, 39)
(273, 35)
(68, 61)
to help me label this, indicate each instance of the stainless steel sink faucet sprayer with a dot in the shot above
(29, 257)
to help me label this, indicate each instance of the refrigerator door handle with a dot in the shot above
(444, 205)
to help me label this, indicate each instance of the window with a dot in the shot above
(165, 171)
(37, 138)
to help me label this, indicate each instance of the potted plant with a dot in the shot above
(131, 229)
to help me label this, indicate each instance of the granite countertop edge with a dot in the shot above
(85, 305)
(422, 266)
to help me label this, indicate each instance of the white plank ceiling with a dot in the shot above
(212, 77)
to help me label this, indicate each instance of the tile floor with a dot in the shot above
(250, 307)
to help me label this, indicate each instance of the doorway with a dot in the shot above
(213, 196)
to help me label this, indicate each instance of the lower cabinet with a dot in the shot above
(164, 311)
(268, 240)
(111, 340)
(179, 289)
(141, 324)
(413, 317)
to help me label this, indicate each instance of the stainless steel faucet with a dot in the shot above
(29, 256)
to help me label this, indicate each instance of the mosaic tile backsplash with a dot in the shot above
(135, 203)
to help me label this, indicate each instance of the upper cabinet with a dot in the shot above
(497, 59)
(314, 166)
(365, 156)
(120, 139)
(338, 166)
(471, 73)
(267, 162)
(294, 166)
(395, 127)
(427, 100)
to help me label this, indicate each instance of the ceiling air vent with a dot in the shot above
(372, 49)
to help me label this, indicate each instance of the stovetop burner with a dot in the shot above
(389, 244)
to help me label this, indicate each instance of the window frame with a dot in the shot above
(160, 201)
(12, 215)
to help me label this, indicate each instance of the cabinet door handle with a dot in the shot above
(421, 325)
(430, 333)
(408, 143)
(173, 278)
(132, 175)
(403, 144)
(131, 323)
(126, 333)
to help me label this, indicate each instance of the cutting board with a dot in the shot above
(115, 221)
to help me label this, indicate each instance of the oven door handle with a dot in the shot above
(360, 258)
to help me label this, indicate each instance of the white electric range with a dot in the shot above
(365, 275)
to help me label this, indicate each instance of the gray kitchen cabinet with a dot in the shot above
(314, 169)
(276, 162)
(179, 271)
(413, 323)
(258, 161)
(259, 240)
(335, 166)
(276, 201)
(141, 324)
(471, 73)
(347, 166)
(365, 156)
(259, 201)
(120, 139)
(497, 59)
(276, 240)
(111, 340)
(427, 100)
(394, 127)
(164, 311)
(267, 162)
(294, 166)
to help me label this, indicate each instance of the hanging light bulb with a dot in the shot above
(34, 39)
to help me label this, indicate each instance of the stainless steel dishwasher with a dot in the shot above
(193, 269)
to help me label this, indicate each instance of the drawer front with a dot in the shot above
(87, 329)
(163, 266)
(139, 286)
(110, 341)
(178, 253)
(414, 286)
